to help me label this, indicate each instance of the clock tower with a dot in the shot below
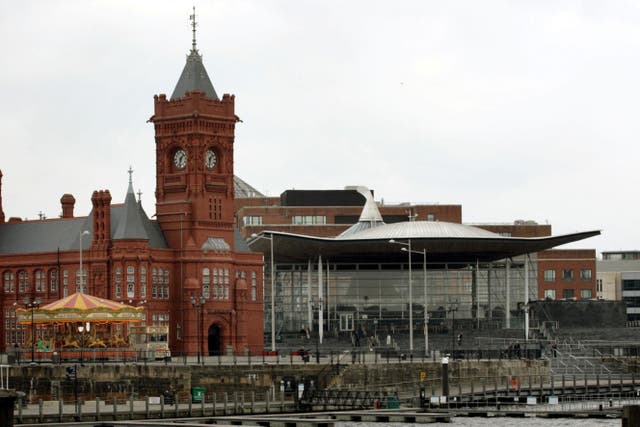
(194, 133)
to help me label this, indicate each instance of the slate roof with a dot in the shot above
(194, 77)
(128, 221)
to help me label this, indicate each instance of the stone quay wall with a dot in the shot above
(108, 382)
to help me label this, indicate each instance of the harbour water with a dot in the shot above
(501, 422)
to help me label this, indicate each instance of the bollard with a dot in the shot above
(445, 377)
(130, 407)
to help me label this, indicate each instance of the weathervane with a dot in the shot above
(192, 18)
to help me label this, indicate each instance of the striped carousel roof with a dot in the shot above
(82, 301)
(81, 307)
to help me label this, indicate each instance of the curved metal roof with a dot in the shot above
(444, 242)
(419, 229)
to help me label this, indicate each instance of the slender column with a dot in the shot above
(327, 301)
(273, 295)
(320, 308)
(508, 292)
(526, 297)
(426, 305)
(309, 296)
(410, 302)
(489, 271)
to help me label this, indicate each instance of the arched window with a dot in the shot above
(206, 283)
(131, 281)
(254, 286)
(23, 281)
(118, 282)
(9, 280)
(143, 282)
(154, 282)
(65, 283)
(81, 280)
(166, 283)
(53, 280)
(41, 281)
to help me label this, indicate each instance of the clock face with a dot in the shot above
(210, 159)
(180, 159)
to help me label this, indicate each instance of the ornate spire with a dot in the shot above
(194, 76)
(193, 26)
(130, 188)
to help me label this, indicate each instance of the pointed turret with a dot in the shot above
(194, 76)
(132, 223)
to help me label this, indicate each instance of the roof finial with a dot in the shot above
(193, 25)
(139, 196)
(130, 172)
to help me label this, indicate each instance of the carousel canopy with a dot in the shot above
(81, 307)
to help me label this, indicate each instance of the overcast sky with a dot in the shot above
(513, 109)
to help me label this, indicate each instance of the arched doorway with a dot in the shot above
(214, 340)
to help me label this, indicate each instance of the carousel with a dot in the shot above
(79, 327)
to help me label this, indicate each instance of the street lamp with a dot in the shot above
(83, 233)
(409, 251)
(32, 304)
(198, 303)
(426, 312)
(273, 288)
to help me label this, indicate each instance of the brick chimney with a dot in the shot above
(68, 202)
(101, 201)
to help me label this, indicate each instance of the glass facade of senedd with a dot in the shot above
(374, 298)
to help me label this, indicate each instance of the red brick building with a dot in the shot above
(568, 274)
(188, 262)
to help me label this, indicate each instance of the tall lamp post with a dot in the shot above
(32, 305)
(273, 288)
(82, 284)
(407, 247)
(424, 302)
(198, 303)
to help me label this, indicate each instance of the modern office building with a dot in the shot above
(618, 278)
(374, 276)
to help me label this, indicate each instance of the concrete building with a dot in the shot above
(618, 278)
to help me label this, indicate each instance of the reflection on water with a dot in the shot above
(500, 422)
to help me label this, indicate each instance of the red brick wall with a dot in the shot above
(574, 260)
